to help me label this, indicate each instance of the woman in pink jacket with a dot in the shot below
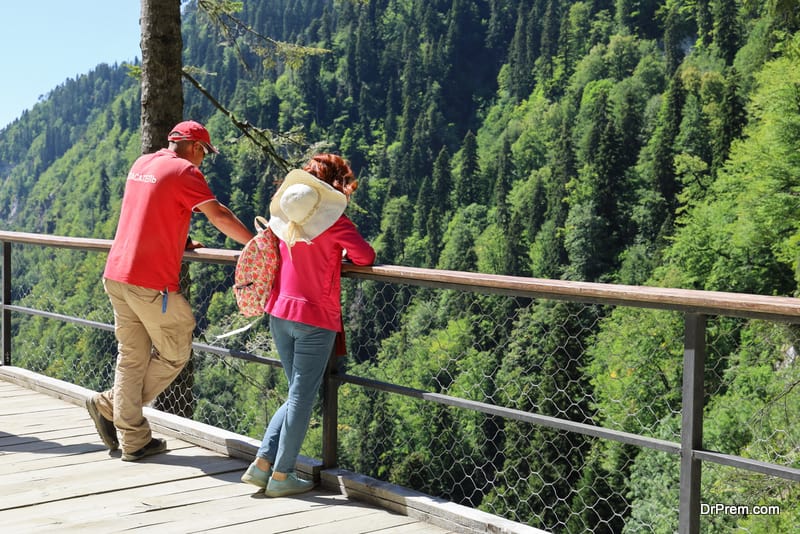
(306, 213)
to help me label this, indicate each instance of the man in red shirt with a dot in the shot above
(153, 322)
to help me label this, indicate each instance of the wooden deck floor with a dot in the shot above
(56, 476)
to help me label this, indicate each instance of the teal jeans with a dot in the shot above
(304, 351)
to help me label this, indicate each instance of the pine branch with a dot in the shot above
(259, 136)
(221, 14)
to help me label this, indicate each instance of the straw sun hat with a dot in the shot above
(304, 207)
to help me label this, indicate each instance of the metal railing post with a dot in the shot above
(5, 342)
(330, 413)
(694, 357)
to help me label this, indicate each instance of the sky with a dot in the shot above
(45, 42)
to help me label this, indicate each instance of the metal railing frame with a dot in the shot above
(695, 305)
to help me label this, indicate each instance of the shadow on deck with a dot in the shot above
(55, 474)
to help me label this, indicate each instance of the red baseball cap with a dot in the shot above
(192, 131)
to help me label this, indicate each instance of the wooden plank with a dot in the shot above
(202, 516)
(417, 527)
(420, 506)
(55, 475)
(51, 435)
(29, 405)
(273, 515)
(339, 520)
(21, 419)
(142, 498)
(12, 443)
(12, 391)
(30, 429)
(63, 455)
(99, 473)
(54, 437)
(51, 387)
(45, 458)
(99, 508)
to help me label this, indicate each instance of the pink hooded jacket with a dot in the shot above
(307, 287)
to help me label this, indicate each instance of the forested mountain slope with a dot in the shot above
(586, 129)
(629, 141)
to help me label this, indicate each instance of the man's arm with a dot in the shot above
(225, 221)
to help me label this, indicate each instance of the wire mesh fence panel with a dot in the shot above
(735, 500)
(753, 398)
(523, 354)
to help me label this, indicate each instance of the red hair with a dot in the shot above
(331, 169)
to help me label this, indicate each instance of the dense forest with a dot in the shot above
(645, 142)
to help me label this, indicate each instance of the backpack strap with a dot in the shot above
(238, 330)
(260, 223)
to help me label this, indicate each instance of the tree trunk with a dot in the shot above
(162, 94)
(162, 108)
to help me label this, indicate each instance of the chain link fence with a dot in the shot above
(619, 368)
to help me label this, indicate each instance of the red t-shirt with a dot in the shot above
(161, 192)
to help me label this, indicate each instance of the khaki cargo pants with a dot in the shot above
(154, 344)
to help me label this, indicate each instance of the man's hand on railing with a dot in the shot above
(191, 244)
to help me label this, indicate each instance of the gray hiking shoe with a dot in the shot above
(105, 428)
(291, 486)
(155, 446)
(256, 476)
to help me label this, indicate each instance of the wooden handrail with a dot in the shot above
(688, 300)
(785, 309)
